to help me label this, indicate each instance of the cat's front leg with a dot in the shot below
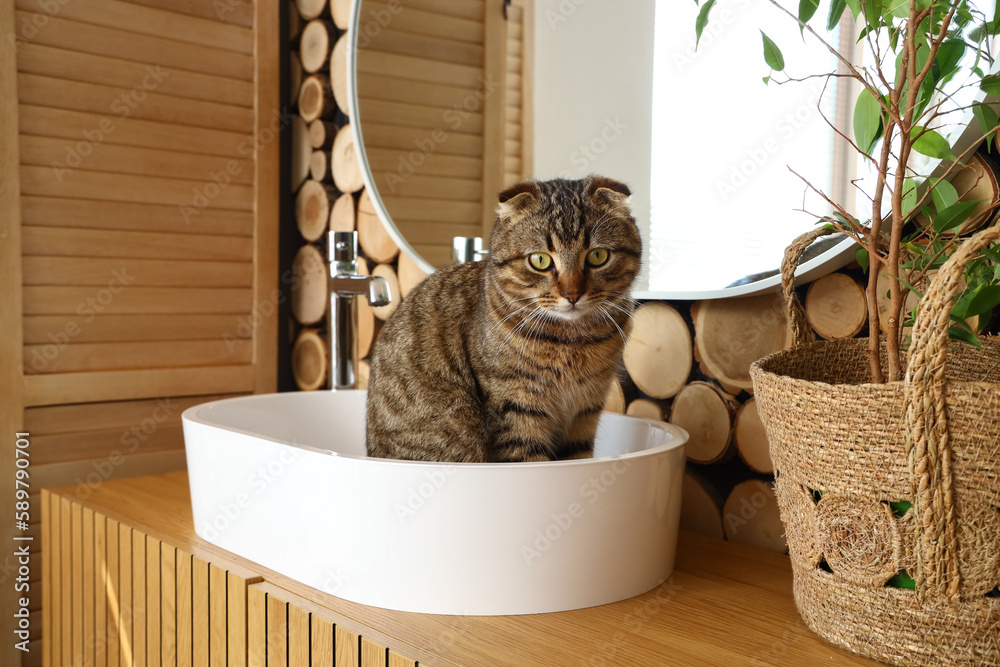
(578, 443)
(520, 433)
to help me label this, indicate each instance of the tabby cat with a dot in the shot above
(511, 358)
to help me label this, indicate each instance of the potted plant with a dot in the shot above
(887, 454)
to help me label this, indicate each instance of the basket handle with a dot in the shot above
(802, 333)
(927, 425)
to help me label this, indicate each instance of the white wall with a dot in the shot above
(593, 93)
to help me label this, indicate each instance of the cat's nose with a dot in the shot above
(572, 297)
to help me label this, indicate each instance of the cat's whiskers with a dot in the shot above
(508, 302)
(530, 334)
(611, 319)
(514, 331)
(529, 323)
(629, 314)
(500, 323)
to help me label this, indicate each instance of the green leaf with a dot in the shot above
(873, 12)
(863, 259)
(867, 120)
(984, 299)
(944, 195)
(904, 284)
(949, 55)
(962, 15)
(772, 54)
(702, 21)
(960, 311)
(901, 508)
(898, 8)
(964, 335)
(987, 118)
(926, 90)
(990, 84)
(855, 6)
(902, 579)
(924, 96)
(836, 11)
(806, 10)
(954, 215)
(931, 144)
(765, 79)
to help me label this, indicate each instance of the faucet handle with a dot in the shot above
(344, 246)
(343, 253)
(378, 291)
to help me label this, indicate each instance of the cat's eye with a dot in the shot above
(540, 260)
(597, 256)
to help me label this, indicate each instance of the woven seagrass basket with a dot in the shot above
(875, 479)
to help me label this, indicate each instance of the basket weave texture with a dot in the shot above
(849, 457)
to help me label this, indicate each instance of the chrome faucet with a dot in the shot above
(345, 285)
(468, 249)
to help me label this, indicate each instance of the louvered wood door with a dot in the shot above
(138, 235)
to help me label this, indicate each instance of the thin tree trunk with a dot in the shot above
(876, 264)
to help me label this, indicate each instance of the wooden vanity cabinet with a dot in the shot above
(127, 581)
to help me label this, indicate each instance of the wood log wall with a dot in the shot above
(438, 124)
(138, 208)
(688, 363)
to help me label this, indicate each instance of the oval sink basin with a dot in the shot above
(283, 480)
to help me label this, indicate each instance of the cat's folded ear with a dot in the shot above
(518, 198)
(603, 187)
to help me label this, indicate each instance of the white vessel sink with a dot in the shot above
(282, 479)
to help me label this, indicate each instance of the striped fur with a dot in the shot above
(493, 361)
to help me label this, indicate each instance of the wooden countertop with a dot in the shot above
(726, 604)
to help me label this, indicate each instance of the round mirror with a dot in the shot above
(451, 102)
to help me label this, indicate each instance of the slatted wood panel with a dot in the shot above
(168, 603)
(112, 592)
(185, 607)
(288, 631)
(116, 595)
(277, 631)
(256, 627)
(140, 604)
(138, 186)
(321, 641)
(299, 645)
(200, 614)
(423, 94)
(126, 610)
(218, 609)
(518, 128)
(236, 620)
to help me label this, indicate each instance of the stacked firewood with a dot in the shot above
(330, 195)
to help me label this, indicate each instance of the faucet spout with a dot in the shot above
(345, 286)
